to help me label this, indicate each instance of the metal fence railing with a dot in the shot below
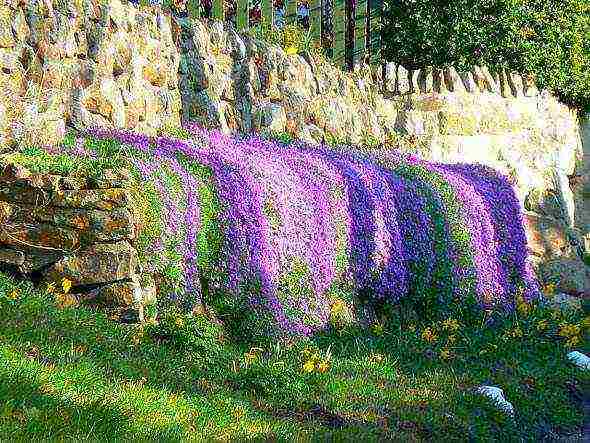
(349, 30)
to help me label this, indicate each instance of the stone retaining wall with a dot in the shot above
(81, 229)
(81, 64)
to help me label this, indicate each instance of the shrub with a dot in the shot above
(549, 39)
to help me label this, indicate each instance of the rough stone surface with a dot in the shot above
(547, 237)
(571, 276)
(100, 263)
(77, 228)
(82, 64)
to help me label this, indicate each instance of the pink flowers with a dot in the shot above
(291, 223)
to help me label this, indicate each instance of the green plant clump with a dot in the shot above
(548, 39)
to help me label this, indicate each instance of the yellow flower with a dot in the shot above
(338, 307)
(323, 366)
(517, 332)
(446, 354)
(542, 325)
(250, 357)
(568, 330)
(14, 294)
(291, 50)
(377, 329)
(572, 341)
(309, 366)
(66, 285)
(376, 358)
(549, 289)
(429, 335)
(451, 325)
(179, 322)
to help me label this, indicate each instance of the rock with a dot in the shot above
(121, 294)
(496, 395)
(103, 199)
(93, 225)
(100, 263)
(37, 260)
(12, 257)
(271, 117)
(570, 275)
(580, 360)
(546, 236)
(40, 236)
(565, 302)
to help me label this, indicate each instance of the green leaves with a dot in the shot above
(548, 38)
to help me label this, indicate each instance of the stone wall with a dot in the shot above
(106, 63)
(239, 84)
(84, 63)
(56, 227)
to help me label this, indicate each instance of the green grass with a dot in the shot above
(73, 373)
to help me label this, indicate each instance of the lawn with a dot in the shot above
(72, 373)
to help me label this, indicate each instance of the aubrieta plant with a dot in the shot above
(268, 233)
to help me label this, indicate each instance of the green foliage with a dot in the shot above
(40, 161)
(186, 332)
(72, 374)
(292, 38)
(548, 39)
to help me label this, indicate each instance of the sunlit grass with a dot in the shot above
(71, 373)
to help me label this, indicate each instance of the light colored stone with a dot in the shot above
(496, 395)
(546, 237)
(271, 117)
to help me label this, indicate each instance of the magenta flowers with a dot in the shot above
(272, 229)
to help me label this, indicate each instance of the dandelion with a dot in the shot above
(14, 294)
(66, 285)
(338, 307)
(377, 329)
(429, 335)
(309, 366)
(250, 357)
(549, 289)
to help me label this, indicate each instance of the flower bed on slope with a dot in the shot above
(275, 236)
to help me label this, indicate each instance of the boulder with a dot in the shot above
(100, 263)
(570, 275)
(546, 237)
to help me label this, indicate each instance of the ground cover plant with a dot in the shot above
(273, 236)
(349, 294)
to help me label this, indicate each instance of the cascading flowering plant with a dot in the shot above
(278, 229)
